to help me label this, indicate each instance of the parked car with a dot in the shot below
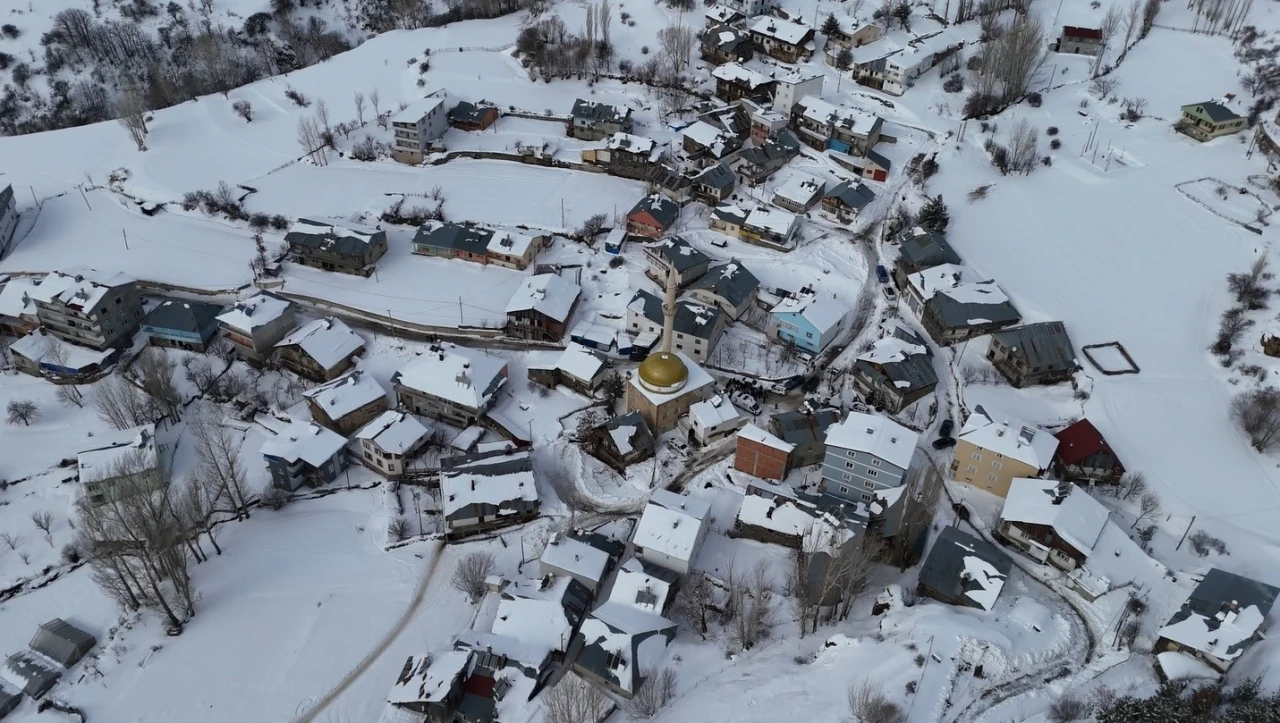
(882, 274)
(944, 443)
(889, 293)
(745, 402)
(945, 429)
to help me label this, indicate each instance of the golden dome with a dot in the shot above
(663, 372)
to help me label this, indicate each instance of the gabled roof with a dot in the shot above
(594, 112)
(793, 33)
(713, 412)
(739, 74)
(671, 524)
(893, 362)
(691, 318)
(333, 238)
(1217, 112)
(459, 237)
(823, 311)
(853, 120)
(503, 482)
(628, 433)
(964, 567)
(774, 220)
(576, 557)
(855, 197)
(548, 294)
(924, 248)
(328, 341)
(346, 394)
(1045, 345)
(115, 449)
(679, 253)
(755, 434)
(1080, 441)
(512, 242)
(780, 145)
(631, 143)
(15, 301)
(306, 441)
(879, 160)
(466, 376)
(580, 362)
(466, 112)
(61, 642)
(254, 312)
(81, 288)
(1072, 31)
(1073, 515)
(664, 210)
(878, 436)
(801, 188)
(718, 177)
(181, 315)
(722, 14)
(1222, 615)
(1011, 437)
(429, 678)
(730, 213)
(804, 427)
(725, 38)
(731, 281)
(44, 348)
(394, 432)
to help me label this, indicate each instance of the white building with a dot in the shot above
(749, 8)
(574, 558)
(711, 420)
(388, 441)
(794, 86)
(417, 125)
(671, 531)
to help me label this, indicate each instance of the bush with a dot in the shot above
(1204, 543)
(1051, 131)
(259, 221)
(10, 31)
(1034, 99)
(954, 83)
(275, 498)
(5, 60)
(978, 105)
(1066, 710)
(1257, 414)
(1046, 161)
(70, 554)
(1055, 144)
(298, 99)
(279, 222)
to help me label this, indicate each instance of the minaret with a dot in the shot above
(669, 312)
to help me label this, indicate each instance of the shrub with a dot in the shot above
(470, 574)
(1066, 710)
(1034, 99)
(9, 30)
(5, 60)
(279, 222)
(275, 499)
(1204, 543)
(954, 83)
(298, 99)
(1051, 131)
(1046, 161)
(70, 554)
(1055, 144)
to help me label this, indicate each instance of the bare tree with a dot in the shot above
(244, 109)
(156, 371)
(1067, 709)
(1257, 414)
(121, 405)
(10, 540)
(44, 522)
(1015, 57)
(655, 692)
(22, 410)
(676, 42)
(398, 529)
(693, 603)
(753, 602)
(574, 700)
(1130, 484)
(1107, 29)
(359, 102)
(1148, 508)
(69, 395)
(131, 111)
(218, 464)
(868, 703)
(322, 118)
(1249, 287)
(469, 577)
(1023, 147)
(1132, 16)
(309, 138)
(604, 16)
(1104, 86)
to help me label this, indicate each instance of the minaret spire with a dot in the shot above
(669, 312)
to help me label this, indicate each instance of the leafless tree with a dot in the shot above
(398, 529)
(156, 370)
(131, 110)
(604, 16)
(244, 109)
(1249, 287)
(1107, 29)
(676, 42)
(322, 118)
(868, 703)
(693, 602)
(22, 410)
(70, 395)
(1257, 414)
(1148, 508)
(10, 540)
(1132, 17)
(121, 405)
(1130, 484)
(359, 102)
(574, 700)
(1023, 147)
(655, 692)
(469, 577)
(44, 522)
(218, 464)
(1016, 56)
(753, 602)
(1104, 86)
(1067, 709)
(309, 138)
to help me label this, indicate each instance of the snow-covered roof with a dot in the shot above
(15, 298)
(854, 120)
(428, 678)
(1222, 615)
(698, 378)
(671, 524)
(578, 362)
(722, 14)
(631, 143)
(891, 349)
(799, 189)
(793, 518)
(714, 412)
(465, 376)
(328, 341)
(823, 311)
(963, 566)
(1011, 437)
(394, 432)
(1076, 517)
(576, 558)
(493, 481)
(327, 236)
(539, 624)
(346, 394)
(510, 242)
(413, 112)
(127, 446)
(642, 587)
(707, 136)
(756, 434)
(955, 280)
(81, 288)
(39, 346)
(1177, 665)
(254, 312)
(467, 438)
(548, 294)
(738, 74)
(878, 436)
(790, 32)
(306, 441)
(773, 220)
(614, 629)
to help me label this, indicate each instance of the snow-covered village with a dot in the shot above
(870, 361)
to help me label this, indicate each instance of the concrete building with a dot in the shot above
(88, 307)
(331, 247)
(388, 442)
(450, 383)
(415, 127)
(182, 324)
(794, 87)
(865, 455)
(991, 451)
(592, 121)
(761, 454)
(668, 382)
(729, 286)
(697, 328)
(320, 350)
(346, 403)
(121, 464)
(254, 325)
(304, 454)
(671, 530)
(1078, 41)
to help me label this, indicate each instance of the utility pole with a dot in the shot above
(126, 239)
(1184, 533)
(86, 198)
(460, 320)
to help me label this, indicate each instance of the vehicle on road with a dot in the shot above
(882, 274)
(944, 443)
(889, 293)
(945, 429)
(745, 402)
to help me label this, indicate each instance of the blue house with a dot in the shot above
(189, 325)
(304, 453)
(809, 320)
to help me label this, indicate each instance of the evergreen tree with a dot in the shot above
(830, 26)
(935, 216)
(844, 59)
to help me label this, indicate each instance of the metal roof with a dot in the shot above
(331, 237)
(1044, 345)
(913, 372)
(691, 318)
(856, 197)
(943, 570)
(802, 427)
(1217, 112)
(924, 249)
(454, 236)
(466, 112)
(594, 112)
(718, 176)
(182, 315)
(62, 642)
(731, 281)
(1220, 587)
(680, 253)
(956, 314)
(664, 210)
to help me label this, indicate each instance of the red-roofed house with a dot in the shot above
(1084, 456)
(1078, 41)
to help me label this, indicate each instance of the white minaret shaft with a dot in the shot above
(669, 312)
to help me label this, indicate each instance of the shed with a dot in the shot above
(22, 671)
(8, 701)
(62, 642)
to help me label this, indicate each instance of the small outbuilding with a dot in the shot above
(23, 672)
(964, 570)
(62, 642)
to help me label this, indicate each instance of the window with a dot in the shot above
(847, 476)
(848, 465)
(869, 485)
(808, 335)
(367, 455)
(970, 469)
(679, 335)
(999, 456)
(995, 465)
(975, 457)
(991, 478)
(679, 346)
(851, 454)
(875, 462)
(872, 473)
(844, 490)
(867, 498)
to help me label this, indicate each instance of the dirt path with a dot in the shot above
(418, 596)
